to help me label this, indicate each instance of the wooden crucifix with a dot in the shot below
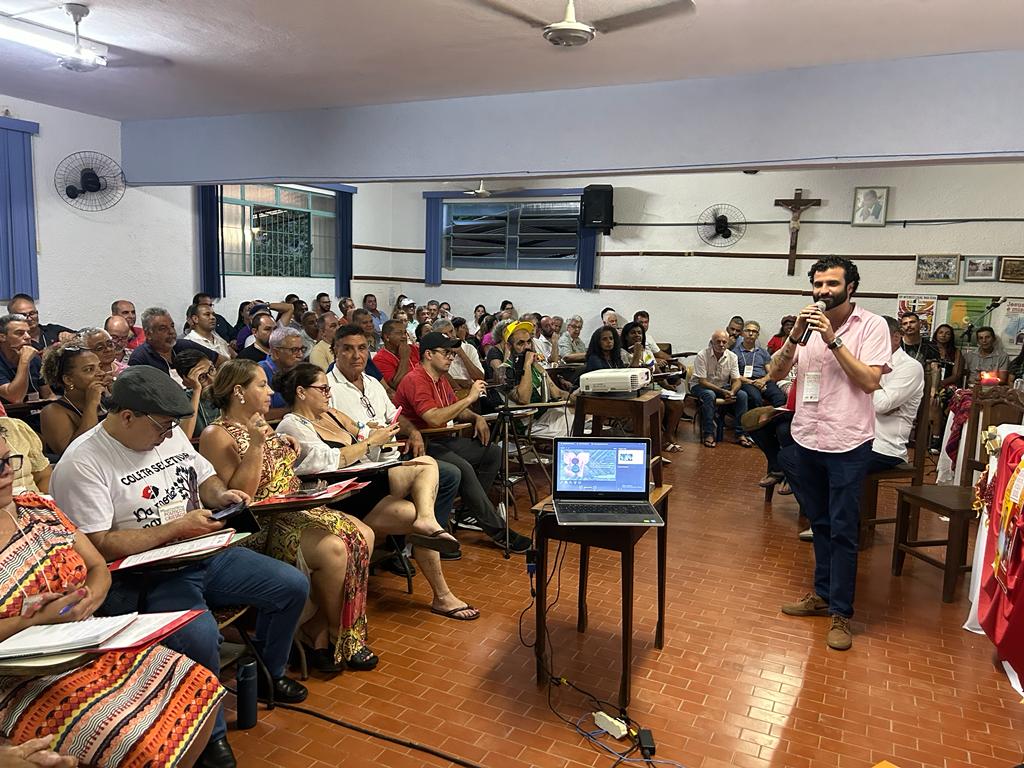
(796, 205)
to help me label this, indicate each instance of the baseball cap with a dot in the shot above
(146, 389)
(518, 325)
(434, 340)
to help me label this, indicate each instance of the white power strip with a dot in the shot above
(609, 724)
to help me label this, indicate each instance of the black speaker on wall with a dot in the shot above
(596, 209)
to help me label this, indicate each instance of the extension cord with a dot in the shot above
(609, 724)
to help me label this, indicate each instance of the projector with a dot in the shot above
(614, 381)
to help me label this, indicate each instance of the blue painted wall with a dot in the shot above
(941, 107)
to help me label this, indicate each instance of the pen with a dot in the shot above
(67, 608)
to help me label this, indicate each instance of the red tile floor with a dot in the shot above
(737, 684)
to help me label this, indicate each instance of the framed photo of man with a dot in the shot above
(1011, 269)
(980, 268)
(870, 206)
(938, 268)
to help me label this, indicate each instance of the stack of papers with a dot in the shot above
(201, 545)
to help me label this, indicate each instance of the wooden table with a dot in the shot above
(617, 538)
(644, 411)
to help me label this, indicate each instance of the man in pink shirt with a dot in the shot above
(833, 428)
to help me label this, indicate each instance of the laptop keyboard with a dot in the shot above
(593, 508)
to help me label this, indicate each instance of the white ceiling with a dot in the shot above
(175, 58)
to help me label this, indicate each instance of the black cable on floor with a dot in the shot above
(375, 734)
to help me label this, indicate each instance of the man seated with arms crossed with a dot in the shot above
(571, 347)
(203, 323)
(986, 358)
(125, 309)
(753, 361)
(429, 401)
(162, 344)
(41, 335)
(221, 324)
(134, 482)
(397, 356)
(21, 374)
(546, 342)
(322, 354)
(363, 398)
(716, 374)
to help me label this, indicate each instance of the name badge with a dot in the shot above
(812, 386)
(1017, 490)
(32, 397)
(748, 371)
(171, 512)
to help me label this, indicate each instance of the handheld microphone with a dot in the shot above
(822, 306)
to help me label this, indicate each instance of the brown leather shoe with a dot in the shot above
(808, 605)
(840, 636)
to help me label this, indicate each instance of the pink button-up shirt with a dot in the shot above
(844, 416)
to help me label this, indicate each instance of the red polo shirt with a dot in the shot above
(387, 362)
(418, 393)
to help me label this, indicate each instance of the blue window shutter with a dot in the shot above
(432, 246)
(18, 270)
(210, 251)
(586, 259)
(343, 243)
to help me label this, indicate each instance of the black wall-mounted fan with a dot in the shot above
(89, 181)
(721, 225)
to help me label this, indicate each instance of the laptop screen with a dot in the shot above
(601, 468)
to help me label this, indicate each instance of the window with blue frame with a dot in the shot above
(511, 234)
(18, 268)
(278, 230)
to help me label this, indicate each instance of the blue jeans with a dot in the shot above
(236, 577)
(771, 395)
(709, 426)
(828, 488)
(448, 479)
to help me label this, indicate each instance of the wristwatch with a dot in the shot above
(837, 342)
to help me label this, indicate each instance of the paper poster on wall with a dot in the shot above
(1013, 322)
(962, 311)
(923, 304)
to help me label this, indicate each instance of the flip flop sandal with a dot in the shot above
(709, 442)
(454, 613)
(673, 448)
(439, 541)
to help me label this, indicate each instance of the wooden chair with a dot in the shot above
(991, 406)
(914, 472)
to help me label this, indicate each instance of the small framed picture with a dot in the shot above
(1011, 269)
(978, 268)
(870, 206)
(938, 268)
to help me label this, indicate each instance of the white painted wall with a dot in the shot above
(141, 249)
(687, 319)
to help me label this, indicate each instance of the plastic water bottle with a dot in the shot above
(245, 677)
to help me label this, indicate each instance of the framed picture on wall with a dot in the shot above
(978, 268)
(1011, 269)
(870, 206)
(938, 268)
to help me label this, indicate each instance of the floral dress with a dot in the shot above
(281, 541)
(141, 708)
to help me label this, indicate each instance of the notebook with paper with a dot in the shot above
(603, 481)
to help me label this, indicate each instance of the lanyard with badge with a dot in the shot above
(748, 368)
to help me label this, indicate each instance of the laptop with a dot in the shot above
(603, 481)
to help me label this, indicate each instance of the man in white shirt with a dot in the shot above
(466, 366)
(896, 405)
(309, 332)
(644, 319)
(571, 348)
(363, 399)
(134, 482)
(546, 342)
(716, 374)
(203, 322)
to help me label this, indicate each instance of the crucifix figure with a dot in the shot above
(797, 205)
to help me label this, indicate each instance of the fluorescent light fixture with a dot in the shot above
(52, 41)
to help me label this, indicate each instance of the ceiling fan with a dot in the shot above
(570, 32)
(480, 191)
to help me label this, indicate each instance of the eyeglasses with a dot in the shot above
(753, 331)
(206, 375)
(33, 313)
(293, 350)
(103, 346)
(324, 389)
(13, 460)
(165, 429)
(365, 402)
(449, 353)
